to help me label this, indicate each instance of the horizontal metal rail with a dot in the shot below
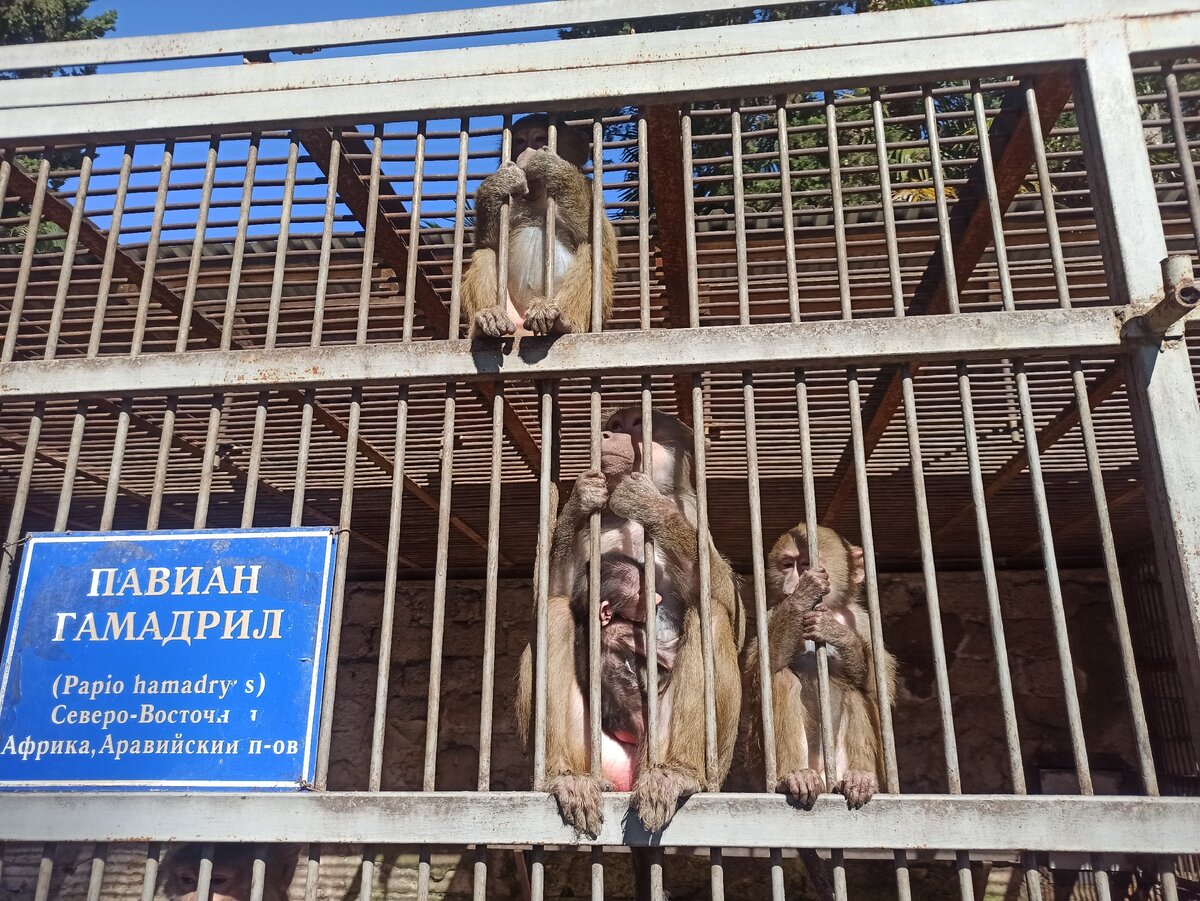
(967, 40)
(963, 822)
(310, 37)
(815, 345)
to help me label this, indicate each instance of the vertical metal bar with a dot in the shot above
(479, 875)
(150, 261)
(69, 250)
(239, 244)
(839, 874)
(41, 891)
(871, 580)
(1183, 149)
(503, 223)
(551, 215)
(25, 271)
(204, 874)
(594, 685)
(487, 690)
(1012, 739)
(19, 500)
(824, 703)
(193, 276)
(78, 426)
(598, 211)
(114, 470)
(250, 493)
(96, 876)
(650, 558)
(770, 767)
(716, 872)
(1046, 192)
(537, 873)
(643, 170)
(949, 744)
(302, 452)
(258, 873)
(1054, 586)
(785, 195)
(460, 206)
(545, 420)
(335, 163)
(329, 689)
(369, 229)
(439, 592)
(1166, 876)
(885, 197)
(703, 543)
(839, 212)
(414, 233)
(390, 576)
(689, 222)
(281, 240)
(150, 872)
(778, 889)
(312, 872)
(208, 461)
(945, 239)
(962, 866)
(597, 854)
(110, 251)
(739, 212)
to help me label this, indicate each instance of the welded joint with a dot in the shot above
(1181, 297)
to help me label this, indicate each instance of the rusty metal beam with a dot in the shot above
(1103, 388)
(669, 194)
(129, 269)
(971, 231)
(392, 248)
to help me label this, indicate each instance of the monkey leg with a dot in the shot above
(795, 732)
(570, 309)
(578, 792)
(659, 789)
(480, 297)
(858, 745)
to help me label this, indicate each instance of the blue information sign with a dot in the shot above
(166, 660)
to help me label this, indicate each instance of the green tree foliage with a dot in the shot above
(35, 22)
(39, 21)
(808, 158)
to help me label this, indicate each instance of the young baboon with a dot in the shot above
(818, 601)
(536, 176)
(232, 872)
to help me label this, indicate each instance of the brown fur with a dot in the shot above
(817, 609)
(232, 872)
(666, 508)
(538, 175)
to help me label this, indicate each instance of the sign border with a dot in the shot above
(320, 648)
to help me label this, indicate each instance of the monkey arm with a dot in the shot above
(567, 186)
(821, 624)
(589, 494)
(505, 183)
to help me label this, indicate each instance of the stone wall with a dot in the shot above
(979, 734)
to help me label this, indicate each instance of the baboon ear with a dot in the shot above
(858, 571)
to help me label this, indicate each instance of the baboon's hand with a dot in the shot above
(494, 322)
(814, 585)
(591, 491)
(859, 787)
(636, 497)
(508, 180)
(581, 801)
(541, 318)
(802, 787)
(657, 794)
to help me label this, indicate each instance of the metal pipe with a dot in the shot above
(1180, 296)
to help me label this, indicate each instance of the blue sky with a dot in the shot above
(137, 17)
